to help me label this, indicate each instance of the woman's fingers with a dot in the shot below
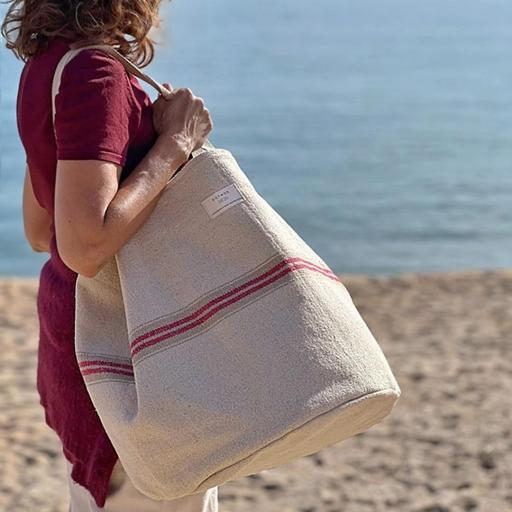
(182, 116)
(167, 86)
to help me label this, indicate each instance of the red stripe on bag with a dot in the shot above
(91, 371)
(84, 364)
(305, 264)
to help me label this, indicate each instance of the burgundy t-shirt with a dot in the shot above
(102, 113)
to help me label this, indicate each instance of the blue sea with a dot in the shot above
(380, 130)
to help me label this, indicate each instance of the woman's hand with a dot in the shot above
(182, 118)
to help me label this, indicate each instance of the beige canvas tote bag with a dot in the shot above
(217, 343)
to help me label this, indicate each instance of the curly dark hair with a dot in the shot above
(29, 25)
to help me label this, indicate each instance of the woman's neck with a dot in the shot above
(88, 42)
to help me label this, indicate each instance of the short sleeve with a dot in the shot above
(96, 114)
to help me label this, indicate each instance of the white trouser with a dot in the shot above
(126, 498)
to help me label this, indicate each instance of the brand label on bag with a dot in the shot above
(222, 200)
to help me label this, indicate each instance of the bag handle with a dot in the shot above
(128, 65)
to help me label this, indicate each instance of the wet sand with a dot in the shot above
(447, 446)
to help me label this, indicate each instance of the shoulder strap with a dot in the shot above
(128, 65)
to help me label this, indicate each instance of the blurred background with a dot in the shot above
(382, 132)
(379, 130)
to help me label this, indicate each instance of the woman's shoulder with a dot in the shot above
(93, 63)
(97, 67)
(90, 65)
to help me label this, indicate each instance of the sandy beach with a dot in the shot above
(447, 446)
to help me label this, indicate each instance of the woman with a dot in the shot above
(88, 187)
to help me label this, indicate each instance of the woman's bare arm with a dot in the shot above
(94, 215)
(36, 220)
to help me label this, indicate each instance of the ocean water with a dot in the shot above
(381, 131)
